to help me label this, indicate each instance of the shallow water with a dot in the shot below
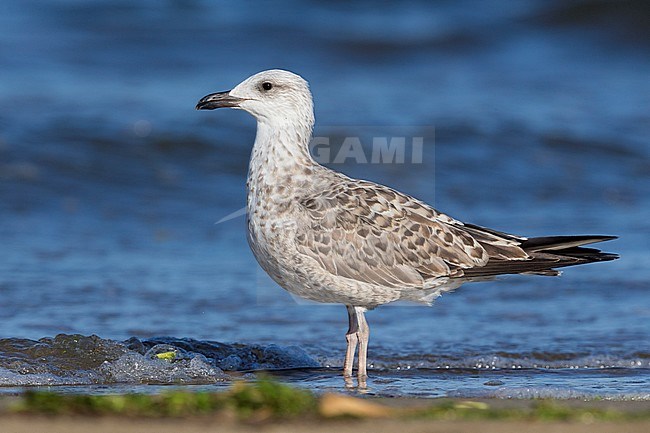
(110, 187)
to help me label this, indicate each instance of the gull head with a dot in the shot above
(273, 96)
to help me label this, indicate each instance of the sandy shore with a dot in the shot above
(30, 423)
(38, 424)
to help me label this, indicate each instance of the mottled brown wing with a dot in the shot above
(374, 234)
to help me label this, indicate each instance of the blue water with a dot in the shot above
(111, 184)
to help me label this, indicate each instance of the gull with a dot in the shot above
(329, 238)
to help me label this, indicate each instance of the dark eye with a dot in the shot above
(267, 86)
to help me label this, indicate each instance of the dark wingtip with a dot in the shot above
(555, 243)
(605, 257)
(604, 238)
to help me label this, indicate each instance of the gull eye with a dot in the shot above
(267, 86)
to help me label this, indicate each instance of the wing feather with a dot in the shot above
(371, 233)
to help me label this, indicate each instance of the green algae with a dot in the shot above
(268, 399)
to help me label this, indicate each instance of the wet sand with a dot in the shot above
(18, 423)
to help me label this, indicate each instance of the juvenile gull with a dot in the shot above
(326, 237)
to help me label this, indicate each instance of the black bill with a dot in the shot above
(218, 100)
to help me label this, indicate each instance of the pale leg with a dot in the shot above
(357, 335)
(352, 340)
(363, 335)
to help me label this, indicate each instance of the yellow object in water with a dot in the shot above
(167, 356)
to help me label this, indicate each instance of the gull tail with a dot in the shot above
(546, 254)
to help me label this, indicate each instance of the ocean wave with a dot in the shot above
(86, 360)
(515, 361)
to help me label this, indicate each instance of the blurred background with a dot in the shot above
(111, 183)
